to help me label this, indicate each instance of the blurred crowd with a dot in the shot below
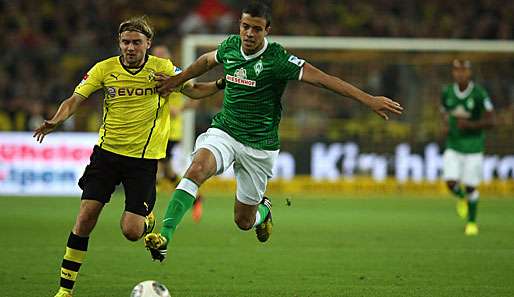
(48, 46)
(478, 19)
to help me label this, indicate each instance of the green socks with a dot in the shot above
(262, 212)
(472, 211)
(472, 206)
(457, 190)
(179, 204)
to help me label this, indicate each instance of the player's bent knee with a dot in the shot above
(131, 233)
(243, 223)
(197, 172)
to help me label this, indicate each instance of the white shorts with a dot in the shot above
(461, 167)
(252, 167)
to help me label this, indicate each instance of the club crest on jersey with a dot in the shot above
(470, 103)
(151, 75)
(239, 78)
(258, 68)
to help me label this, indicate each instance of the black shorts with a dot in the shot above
(169, 149)
(106, 170)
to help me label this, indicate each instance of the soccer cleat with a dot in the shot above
(263, 230)
(462, 208)
(197, 210)
(149, 223)
(157, 245)
(471, 229)
(63, 294)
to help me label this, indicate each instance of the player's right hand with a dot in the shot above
(166, 84)
(382, 105)
(46, 127)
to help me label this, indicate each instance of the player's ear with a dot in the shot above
(267, 30)
(149, 44)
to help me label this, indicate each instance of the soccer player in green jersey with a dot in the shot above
(467, 111)
(245, 133)
(132, 138)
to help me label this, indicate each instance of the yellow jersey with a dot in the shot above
(176, 101)
(136, 119)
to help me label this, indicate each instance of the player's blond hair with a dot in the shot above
(137, 24)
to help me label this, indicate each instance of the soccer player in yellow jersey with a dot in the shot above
(132, 137)
(177, 106)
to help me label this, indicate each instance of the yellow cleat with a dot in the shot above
(462, 208)
(62, 293)
(149, 223)
(157, 245)
(471, 229)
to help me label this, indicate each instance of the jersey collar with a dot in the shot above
(465, 93)
(253, 56)
(133, 70)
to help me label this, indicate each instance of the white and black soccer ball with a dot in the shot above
(150, 288)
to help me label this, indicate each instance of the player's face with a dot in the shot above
(252, 31)
(461, 75)
(133, 46)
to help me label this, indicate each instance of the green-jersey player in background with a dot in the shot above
(468, 111)
(245, 132)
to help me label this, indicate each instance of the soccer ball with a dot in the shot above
(150, 288)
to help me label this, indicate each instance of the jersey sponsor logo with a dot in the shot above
(239, 78)
(460, 112)
(240, 81)
(240, 73)
(258, 68)
(113, 92)
(295, 60)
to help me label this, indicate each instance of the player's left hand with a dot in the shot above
(166, 84)
(382, 105)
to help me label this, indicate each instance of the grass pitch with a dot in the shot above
(321, 246)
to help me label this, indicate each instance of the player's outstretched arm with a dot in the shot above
(195, 90)
(379, 104)
(203, 64)
(66, 109)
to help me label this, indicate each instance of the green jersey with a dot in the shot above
(255, 83)
(469, 104)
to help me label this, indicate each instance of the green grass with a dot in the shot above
(320, 247)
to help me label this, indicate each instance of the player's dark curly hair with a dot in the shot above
(137, 24)
(259, 9)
